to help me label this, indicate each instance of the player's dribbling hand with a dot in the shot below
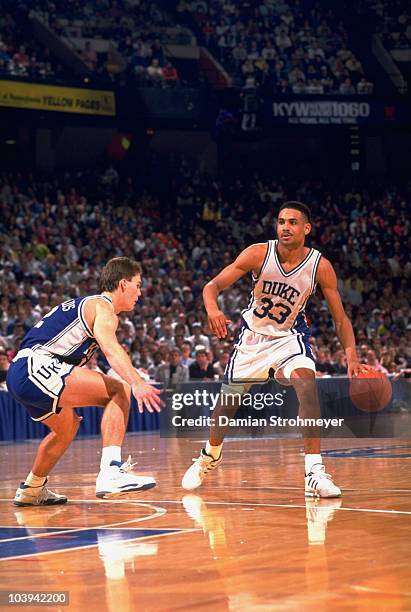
(147, 396)
(217, 323)
(355, 368)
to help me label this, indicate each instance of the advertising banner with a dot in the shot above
(53, 98)
(334, 112)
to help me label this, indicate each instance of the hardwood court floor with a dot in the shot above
(247, 541)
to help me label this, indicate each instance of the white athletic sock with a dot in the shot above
(35, 481)
(213, 451)
(310, 460)
(109, 454)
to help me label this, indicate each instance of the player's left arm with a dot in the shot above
(327, 280)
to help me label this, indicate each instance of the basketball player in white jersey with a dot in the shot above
(275, 334)
(46, 378)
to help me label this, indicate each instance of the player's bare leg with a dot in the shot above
(317, 482)
(115, 417)
(33, 492)
(211, 456)
(86, 388)
(64, 427)
(227, 408)
(113, 478)
(303, 381)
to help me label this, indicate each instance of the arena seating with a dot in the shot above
(290, 48)
(118, 42)
(20, 55)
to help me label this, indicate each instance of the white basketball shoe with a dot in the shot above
(37, 496)
(115, 480)
(320, 484)
(195, 474)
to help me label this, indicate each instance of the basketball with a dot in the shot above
(370, 391)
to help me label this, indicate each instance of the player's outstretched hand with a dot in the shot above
(147, 396)
(217, 323)
(355, 368)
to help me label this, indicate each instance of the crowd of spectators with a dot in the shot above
(118, 42)
(391, 19)
(57, 232)
(287, 47)
(21, 56)
(130, 30)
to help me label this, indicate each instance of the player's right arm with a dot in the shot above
(104, 330)
(249, 260)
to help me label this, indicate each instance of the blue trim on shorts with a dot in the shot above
(305, 349)
(307, 346)
(300, 325)
(38, 404)
(230, 365)
(287, 359)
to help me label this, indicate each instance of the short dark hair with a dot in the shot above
(117, 269)
(303, 208)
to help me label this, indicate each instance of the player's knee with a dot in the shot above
(67, 429)
(303, 381)
(303, 375)
(119, 391)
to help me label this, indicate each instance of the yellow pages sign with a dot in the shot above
(53, 98)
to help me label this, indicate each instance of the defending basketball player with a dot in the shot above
(48, 379)
(275, 334)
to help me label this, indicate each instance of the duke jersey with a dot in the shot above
(278, 298)
(63, 332)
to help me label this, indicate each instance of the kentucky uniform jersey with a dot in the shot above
(64, 332)
(48, 353)
(278, 298)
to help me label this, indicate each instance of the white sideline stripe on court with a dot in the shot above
(64, 550)
(262, 505)
(228, 488)
(217, 503)
(265, 488)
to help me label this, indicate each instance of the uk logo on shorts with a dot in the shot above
(37, 381)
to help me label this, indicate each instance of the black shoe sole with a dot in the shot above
(59, 502)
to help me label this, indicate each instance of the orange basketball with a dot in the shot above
(370, 391)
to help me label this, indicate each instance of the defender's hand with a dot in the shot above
(147, 396)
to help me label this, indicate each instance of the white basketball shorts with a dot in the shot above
(255, 354)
